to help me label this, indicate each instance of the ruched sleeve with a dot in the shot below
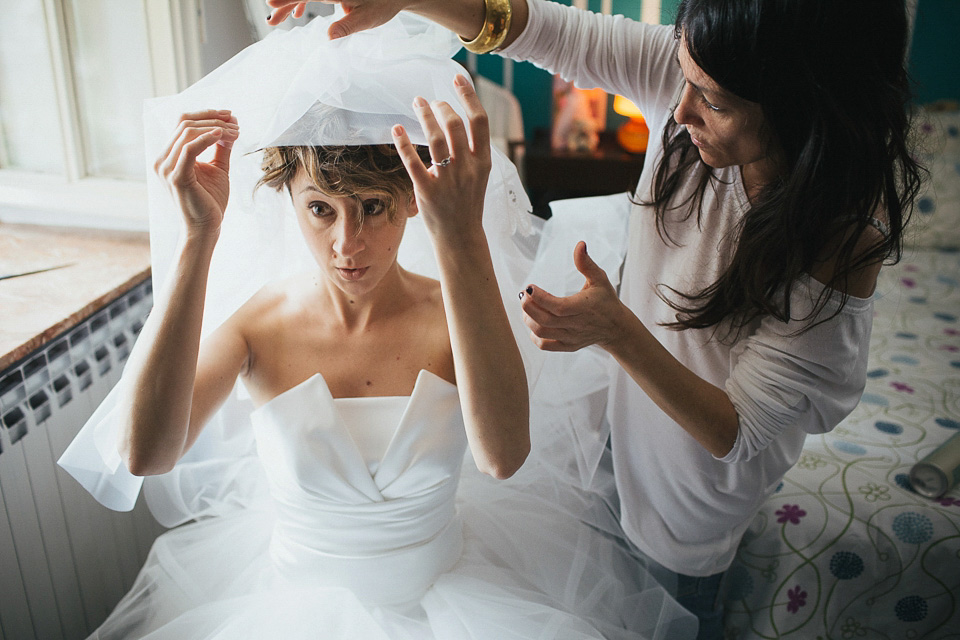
(811, 381)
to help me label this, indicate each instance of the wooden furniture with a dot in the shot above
(555, 175)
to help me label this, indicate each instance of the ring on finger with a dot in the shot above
(443, 162)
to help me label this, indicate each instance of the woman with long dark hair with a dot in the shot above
(777, 182)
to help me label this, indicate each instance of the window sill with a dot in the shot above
(37, 308)
(28, 197)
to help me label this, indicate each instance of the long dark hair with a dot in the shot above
(830, 78)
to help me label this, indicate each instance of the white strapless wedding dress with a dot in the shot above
(356, 546)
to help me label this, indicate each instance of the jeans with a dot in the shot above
(701, 597)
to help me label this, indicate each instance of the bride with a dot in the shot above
(321, 490)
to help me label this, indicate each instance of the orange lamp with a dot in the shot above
(634, 134)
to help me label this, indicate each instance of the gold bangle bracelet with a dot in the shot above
(496, 24)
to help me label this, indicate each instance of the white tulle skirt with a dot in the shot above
(542, 558)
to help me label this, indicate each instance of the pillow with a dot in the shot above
(936, 217)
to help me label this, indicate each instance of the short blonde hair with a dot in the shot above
(343, 171)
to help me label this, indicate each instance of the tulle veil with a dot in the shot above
(299, 87)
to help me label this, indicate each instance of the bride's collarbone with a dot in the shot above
(351, 366)
(292, 336)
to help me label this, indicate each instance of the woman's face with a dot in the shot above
(728, 130)
(355, 257)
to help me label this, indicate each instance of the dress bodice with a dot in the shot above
(341, 524)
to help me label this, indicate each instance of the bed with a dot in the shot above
(846, 548)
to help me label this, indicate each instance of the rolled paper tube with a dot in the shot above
(939, 471)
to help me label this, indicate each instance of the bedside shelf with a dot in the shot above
(555, 175)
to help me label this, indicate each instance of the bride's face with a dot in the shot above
(352, 239)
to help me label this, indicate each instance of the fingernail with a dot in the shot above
(397, 130)
(419, 102)
(529, 291)
(269, 17)
(460, 81)
(521, 295)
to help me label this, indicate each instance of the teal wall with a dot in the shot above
(532, 85)
(934, 59)
(668, 11)
(935, 51)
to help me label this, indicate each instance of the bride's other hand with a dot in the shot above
(450, 191)
(201, 188)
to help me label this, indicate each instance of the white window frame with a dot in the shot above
(74, 198)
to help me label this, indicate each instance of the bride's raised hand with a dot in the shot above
(449, 195)
(201, 188)
(450, 191)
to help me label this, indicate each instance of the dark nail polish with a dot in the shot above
(529, 291)
(521, 295)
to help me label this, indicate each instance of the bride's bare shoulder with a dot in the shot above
(423, 285)
(275, 301)
(424, 293)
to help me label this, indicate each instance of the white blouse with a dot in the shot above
(680, 505)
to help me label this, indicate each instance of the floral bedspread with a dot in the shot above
(845, 548)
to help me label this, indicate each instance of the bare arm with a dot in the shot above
(487, 362)
(168, 396)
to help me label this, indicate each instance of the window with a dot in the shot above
(73, 77)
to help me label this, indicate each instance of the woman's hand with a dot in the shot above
(463, 17)
(595, 315)
(361, 14)
(450, 192)
(591, 316)
(201, 188)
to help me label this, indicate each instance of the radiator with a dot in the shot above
(65, 560)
